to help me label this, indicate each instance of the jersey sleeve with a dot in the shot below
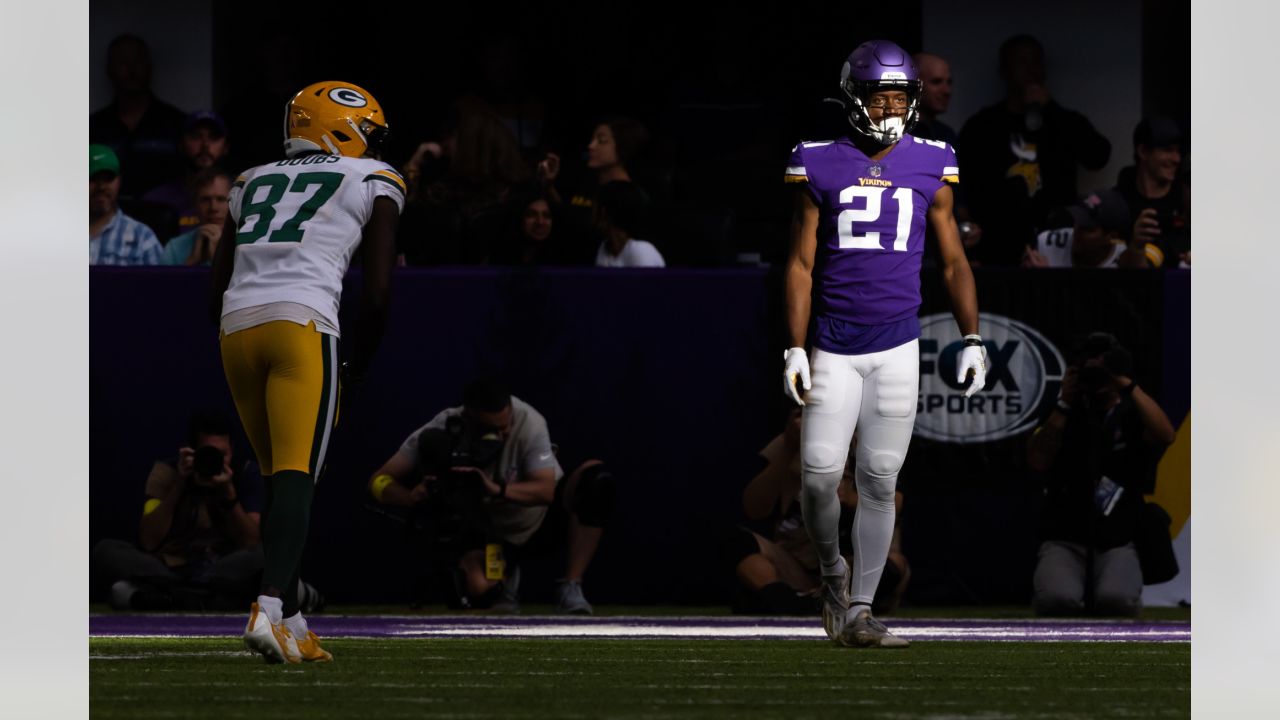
(950, 167)
(236, 197)
(382, 181)
(798, 172)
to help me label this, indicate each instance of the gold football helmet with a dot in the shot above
(334, 117)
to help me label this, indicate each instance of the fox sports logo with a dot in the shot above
(1024, 373)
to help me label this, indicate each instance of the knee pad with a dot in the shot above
(882, 465)
(822, 458)
(594, 495)
(737, 545)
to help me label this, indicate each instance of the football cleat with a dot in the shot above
(310, 651)
(835, 601)
(272, 642)
(336, 118)
(866, 631)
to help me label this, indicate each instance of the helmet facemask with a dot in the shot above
(857, 95)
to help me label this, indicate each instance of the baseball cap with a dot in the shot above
(207, 117)
(1106, 209)
(1157, 131)
(102, 158)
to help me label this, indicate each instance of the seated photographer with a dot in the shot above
(198, 538)
(489, 465)
(1098, 452)
(779, 574)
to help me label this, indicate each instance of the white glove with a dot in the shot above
(797, 363)
(973, 357)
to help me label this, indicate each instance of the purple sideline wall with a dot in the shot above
(669, 376)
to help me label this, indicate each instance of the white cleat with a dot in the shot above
(272, 642)
(835, 601)
(866, 631)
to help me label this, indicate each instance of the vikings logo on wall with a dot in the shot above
(1023, 376)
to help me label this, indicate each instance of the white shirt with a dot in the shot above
(298, 223)
(636, 253)
(1055, 246)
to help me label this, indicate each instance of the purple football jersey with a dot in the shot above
(872, 223)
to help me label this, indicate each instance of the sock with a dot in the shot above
(272, 607)
(855, 608)
(872, 533)
(820, 507)
(285, 534)
(293, 595)
(297, 626)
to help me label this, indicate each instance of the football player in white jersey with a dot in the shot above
(293, 227)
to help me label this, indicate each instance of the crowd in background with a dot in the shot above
(489, 185)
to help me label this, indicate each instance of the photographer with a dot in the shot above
(488, 472)
(198, 536)
(1098, 451)
(778, 572)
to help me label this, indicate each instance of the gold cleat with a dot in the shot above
(310, 651)
(272, 642)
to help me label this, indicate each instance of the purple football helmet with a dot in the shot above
(879, 65)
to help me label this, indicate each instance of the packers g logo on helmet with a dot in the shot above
(334, 117)
(347, 96)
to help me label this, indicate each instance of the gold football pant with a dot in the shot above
(284, 380)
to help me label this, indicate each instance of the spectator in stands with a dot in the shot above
(1020, 156)
(198, 538)
(458, 192)
(1158, 200)
(779, 573)
(114, 238)
(935, 98)
(204, 145)
(197, 245)
(619, 213)
(615, 146)
(1097, 452)
(512, 493)
(1092, 233)
(532, 239)
(142, 129)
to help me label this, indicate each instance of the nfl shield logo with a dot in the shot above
(874, 171)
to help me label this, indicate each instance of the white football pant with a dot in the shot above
(875, 393)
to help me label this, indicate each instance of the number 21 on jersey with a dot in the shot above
(848, 220)
(263, 211)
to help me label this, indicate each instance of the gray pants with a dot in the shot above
(1064, 577)
(235, 575)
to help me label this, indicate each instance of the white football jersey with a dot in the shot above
(298, 222)
(1055, 246)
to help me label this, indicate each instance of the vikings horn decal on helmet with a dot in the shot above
(334, 117)
(878, 65)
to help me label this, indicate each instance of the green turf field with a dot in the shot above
(502, 678)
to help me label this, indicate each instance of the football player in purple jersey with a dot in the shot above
(857, 238)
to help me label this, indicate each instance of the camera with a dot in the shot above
(454, 514)
(1116, 360)
(208, 461)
